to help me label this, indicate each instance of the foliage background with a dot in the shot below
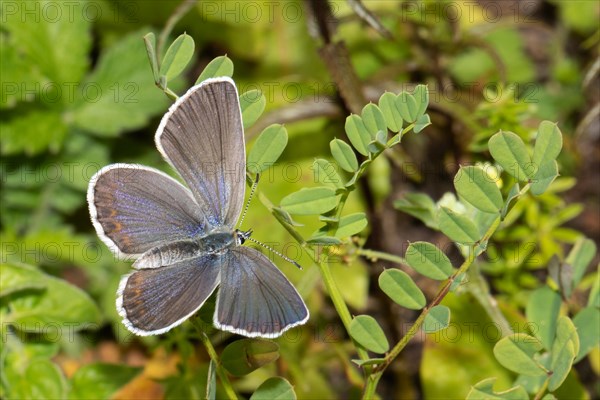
(77, 94)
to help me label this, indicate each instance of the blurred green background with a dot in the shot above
(78, 94)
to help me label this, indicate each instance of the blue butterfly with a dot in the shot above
(184, 240)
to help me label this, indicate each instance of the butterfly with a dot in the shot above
(184, 241)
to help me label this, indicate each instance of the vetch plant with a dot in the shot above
(470, 221)
(489, 278)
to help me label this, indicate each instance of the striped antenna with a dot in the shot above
(249, 199)
(274, 251)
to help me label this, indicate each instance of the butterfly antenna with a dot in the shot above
(275, 251)
(254, 184)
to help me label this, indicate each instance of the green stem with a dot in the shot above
(373, 379)
(179, 12)
(375, 255)
(542, 390)
(172, 95)
(215, 358)
(338, 302)
(334, 293)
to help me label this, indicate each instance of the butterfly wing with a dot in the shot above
(152, 301)
(135, 208)
(203, 139)
(255, 298)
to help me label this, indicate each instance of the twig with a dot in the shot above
(371, 19)
(179, 12)
(215, 358)
(373, 379)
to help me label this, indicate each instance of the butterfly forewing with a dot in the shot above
(135, 208)
(255, 298)
(202, 138)
(152, 301)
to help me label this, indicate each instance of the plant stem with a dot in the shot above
(542, 390)
(179, 12)
(373, 379)
(380, 255)
(170, 94)
(338, 302)
(334, 292)
(215, 358)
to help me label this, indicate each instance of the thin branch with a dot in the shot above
(179, 12)
(373, 379)
(215, 358)
(371, 19)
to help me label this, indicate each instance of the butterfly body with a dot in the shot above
(215, 242)
(184, 239)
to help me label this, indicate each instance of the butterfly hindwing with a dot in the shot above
(152, 301)
(255, 298)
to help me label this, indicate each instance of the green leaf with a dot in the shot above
(323, 240)
(421, 123)
(32, 132)
(275, 388)
(267, 149)
(253, 104)
(516, 353)
(246, 355)
(562, 274)
(60, 305)
(373, 119)
(378, 144)
(177, 57)
(475, 186)
(420, 206)
(284, 216)
(513, 193)
(437, 319)
(428, 260)
(457, 227)
(55, 39)
(100, 380)
(358, 134)
(564, 350)
(371, 361)
(542, 310)
(309, 201)
(351, 225)
(211, 381)
(15, 278)
(421, 95)
(220, 66)
(544, 176)
(510, 152)
(40, 379)
(391, 112)
(120, 95)
(408, 107)
(150, 42)
(367, 332)
(343, 155)
(401, 289)
(580, 256)
(326, 173)
(484, 390)
(587, 322)
(548, 143)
